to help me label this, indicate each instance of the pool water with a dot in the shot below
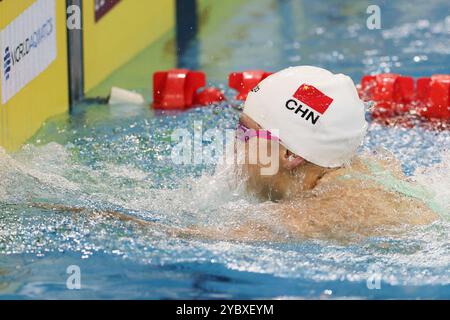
(119, 159)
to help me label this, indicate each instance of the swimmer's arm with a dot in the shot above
(94, 213)
(246, 232)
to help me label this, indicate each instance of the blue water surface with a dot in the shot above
(118, 158)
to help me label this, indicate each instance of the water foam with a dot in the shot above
(49, 173)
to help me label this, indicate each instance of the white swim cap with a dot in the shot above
(318, 114)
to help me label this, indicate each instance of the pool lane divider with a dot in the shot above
(184, 88)
(179, 89)
(244, 82)
(392, 94)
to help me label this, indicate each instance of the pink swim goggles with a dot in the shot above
(244, 134)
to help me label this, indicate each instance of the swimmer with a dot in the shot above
(309, 123)
(321, 188)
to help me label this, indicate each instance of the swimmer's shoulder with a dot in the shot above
(383, 178)
(367, 165)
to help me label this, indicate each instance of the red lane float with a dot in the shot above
(208, 96)
(244, 82)
(390, 92)
(434, 95)
(174, 89)
(394, 94)
(179, 89)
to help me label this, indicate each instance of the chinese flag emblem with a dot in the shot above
(313, 97)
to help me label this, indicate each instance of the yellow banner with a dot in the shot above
(34, 73)
(123, 31)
